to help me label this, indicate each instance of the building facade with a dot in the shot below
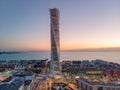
(97, 85)
(55, 43)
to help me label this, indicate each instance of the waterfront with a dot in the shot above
(107, 56)
(79, 75)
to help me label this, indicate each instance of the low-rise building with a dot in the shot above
(97, 84)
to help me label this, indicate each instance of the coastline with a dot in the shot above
(9, 53)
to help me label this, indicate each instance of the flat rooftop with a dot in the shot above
(107, 82)
(14, 85)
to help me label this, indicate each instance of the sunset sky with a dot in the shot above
(25, 24)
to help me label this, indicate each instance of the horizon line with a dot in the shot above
(105, 49)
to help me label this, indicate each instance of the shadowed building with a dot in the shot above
(55, 43)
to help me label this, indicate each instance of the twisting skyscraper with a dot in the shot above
(55, 43)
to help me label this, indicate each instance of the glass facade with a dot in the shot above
(55, 42)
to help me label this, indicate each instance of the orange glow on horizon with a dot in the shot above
(65, 47)
(68, 45)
